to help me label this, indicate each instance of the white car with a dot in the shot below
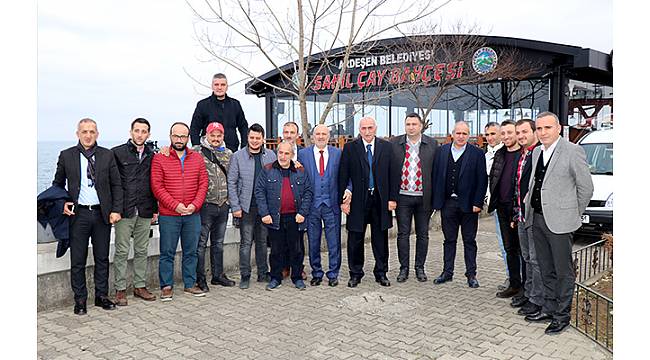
(599, 148)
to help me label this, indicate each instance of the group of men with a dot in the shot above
(539, 185)
(276, 198)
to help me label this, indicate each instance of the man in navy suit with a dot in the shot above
(367, 162)
(321, 162)
(459, 186)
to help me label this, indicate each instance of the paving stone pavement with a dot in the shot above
(408, 320)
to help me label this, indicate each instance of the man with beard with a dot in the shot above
(179, 182)
(245, 166)
(501, 191)
(459, 185)
(219, 107)
(533, 298)
(139, 210)
(214, 214)
(94, 186)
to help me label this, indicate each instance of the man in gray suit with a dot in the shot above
(560, 189)
(413, 153)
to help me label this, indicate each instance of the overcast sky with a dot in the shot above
(118, 60)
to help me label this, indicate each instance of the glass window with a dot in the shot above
(600, 158)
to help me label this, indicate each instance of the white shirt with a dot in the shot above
(489, 155)
(372, 145)
(326, 157)
(546, 153)
(87, 194)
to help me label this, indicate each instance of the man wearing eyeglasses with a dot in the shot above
(180, 183)
(95, 189)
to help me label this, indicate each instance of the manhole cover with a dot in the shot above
(377, 303)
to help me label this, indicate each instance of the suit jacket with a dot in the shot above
(428, 148)
(108, 183)
(50, 205)
(566, 190)
(354, 167)
(472, 180)
(309, 162)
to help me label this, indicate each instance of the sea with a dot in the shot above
(47, 155)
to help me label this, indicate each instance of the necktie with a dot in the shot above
(371, 182)
(321, 164)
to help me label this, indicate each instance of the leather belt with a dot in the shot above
(89, 207)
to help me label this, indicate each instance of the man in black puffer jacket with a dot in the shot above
(223, 109)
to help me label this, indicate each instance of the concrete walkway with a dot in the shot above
(411, 320)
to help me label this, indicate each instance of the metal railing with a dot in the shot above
(592, 312)
(591, 260)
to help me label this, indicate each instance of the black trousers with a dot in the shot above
(378, 240)
(83, 225)
(516, 264)
(409, 207)
(452, 217)
(558, 276)
(286, 250)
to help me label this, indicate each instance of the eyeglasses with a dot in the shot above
(180, 137)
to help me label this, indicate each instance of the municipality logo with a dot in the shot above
(484, 60)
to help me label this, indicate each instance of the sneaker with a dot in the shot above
(274, 284)
(194, 291)
(166, 293)
(245, 283)
(300, 285)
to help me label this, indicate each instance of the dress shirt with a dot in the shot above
(87, 193)
(456, 153)
(326, 157)
(548, 152)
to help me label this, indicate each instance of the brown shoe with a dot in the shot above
(166, 293)
(120, 298)
(144, 294)
(194, 291)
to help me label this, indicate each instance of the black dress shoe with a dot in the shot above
(420, 275)
(80, 307)
(538, 317)
(472, 282)
(529, 309)
(315, 281)
(105, 303)
(403, 275)
(203, 286)
(353, 282)
(222, 280)
(383, 281)
(508, 293)
(518, 301)
(556, 327)
(333, 282)
(443, 278)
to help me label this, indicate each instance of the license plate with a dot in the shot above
(585, 219)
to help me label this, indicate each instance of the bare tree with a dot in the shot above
(267, 31)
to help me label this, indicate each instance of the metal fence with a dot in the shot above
(593, 312)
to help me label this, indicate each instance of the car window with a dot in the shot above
(600, 158)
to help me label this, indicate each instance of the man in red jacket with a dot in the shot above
(179, 182)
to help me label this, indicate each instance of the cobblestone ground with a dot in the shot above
(410, 320)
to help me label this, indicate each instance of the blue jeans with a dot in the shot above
(214, 219)
(500, 242)
(252, 231)
(188, 228)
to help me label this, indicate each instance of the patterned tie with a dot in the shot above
(321, 164)
(371, 183)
